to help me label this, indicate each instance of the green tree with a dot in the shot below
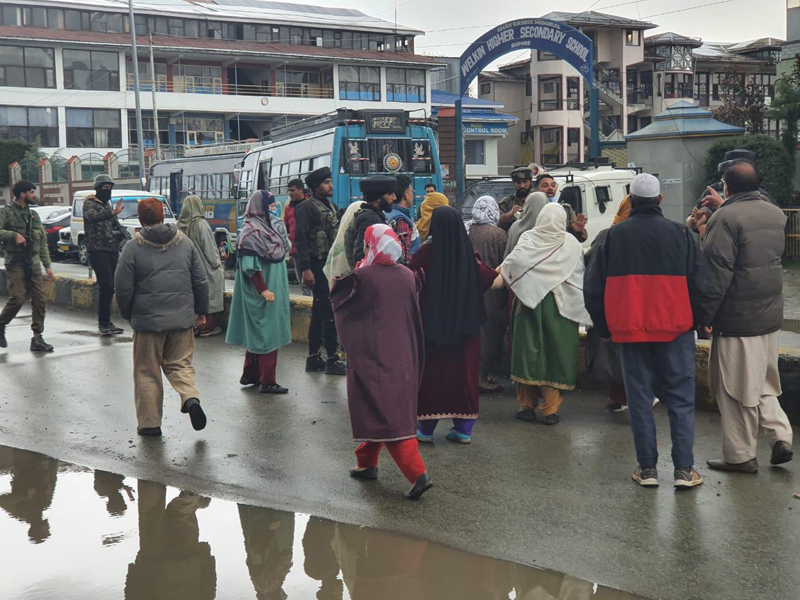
(743, 102)
(11, 150)
(786, 107)
(774, 163)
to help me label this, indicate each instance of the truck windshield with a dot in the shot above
(131, 203)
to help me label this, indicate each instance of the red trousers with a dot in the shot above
(404, 452)
(261, 367)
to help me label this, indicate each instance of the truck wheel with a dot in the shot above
(83, 254)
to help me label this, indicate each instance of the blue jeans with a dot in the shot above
(666, 369)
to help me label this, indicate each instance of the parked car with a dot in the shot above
(52, 228)
(595, 191)
(49, 211)
(128, 217)
(65, 243)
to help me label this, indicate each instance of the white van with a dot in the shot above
(128, 217)
(596, 192)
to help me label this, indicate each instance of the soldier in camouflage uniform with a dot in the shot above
(25, 250)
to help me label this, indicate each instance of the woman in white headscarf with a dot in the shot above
(489, 241)
(545, 272)
(534, 203)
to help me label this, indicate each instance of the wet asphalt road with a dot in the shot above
(557, 497)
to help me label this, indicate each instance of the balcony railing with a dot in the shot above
(215, 86)
(640, 94)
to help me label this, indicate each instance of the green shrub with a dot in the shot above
(774, 163)
(11, 150)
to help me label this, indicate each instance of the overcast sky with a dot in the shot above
(726, 20)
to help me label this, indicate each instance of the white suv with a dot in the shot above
(128, 217)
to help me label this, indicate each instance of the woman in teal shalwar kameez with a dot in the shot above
(259, 317)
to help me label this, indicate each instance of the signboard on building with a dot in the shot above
(485, 129)
(386, 121)
(543, 34)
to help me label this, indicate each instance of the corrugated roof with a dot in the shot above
(592, 18)
(231, 47)
(684, 119)
(251, 11)
(674, 39)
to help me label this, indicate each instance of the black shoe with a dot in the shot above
(781, 453)
(196, 414)
(526, 414)
(39, 345)
(149, 431)
(105, 330)
(3, 341)
(315, 362)
(551, 419)
(273, 388)
(751, 466)
(370, 473)
(114, 329)
(423, 485)
(245, 381)
(335, 366)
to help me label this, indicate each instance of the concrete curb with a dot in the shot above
(82, 294)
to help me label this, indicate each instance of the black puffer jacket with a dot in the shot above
(101, 226)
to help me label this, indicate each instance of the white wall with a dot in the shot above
(489, 169)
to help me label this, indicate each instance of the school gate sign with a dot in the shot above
(560, 39)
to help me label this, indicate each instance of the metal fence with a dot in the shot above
(792, 249)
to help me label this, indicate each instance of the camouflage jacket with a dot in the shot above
(17, 220)
(103, 230)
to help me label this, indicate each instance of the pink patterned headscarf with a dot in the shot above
(383, 246)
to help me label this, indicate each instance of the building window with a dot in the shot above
(300, 84)
(573, 93)
(551, 145)
(93, 128)
(27, 67)
(360, 83)
(528, 86)
(148, 129)
(192, 130)
(146, 79)
(633, 123)
(91, 70)
(476, 152)
(405, 85)
(486, 88)
(678, 85)
(645, 121)
(33, 125)
(197, 79)
(550, 93)
(106, 22)
(573, 144)
(633, 37)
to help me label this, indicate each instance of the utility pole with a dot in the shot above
(153, 84)
(135, 56)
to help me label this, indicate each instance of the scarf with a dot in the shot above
(485, 211)
(623, 212)
(431, 203)
(258, 236)
(383, 247)
(337, 264)
(192, 212)
(534, 203)
(548, 259)
(454, 309)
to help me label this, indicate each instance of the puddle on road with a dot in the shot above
(69, 532)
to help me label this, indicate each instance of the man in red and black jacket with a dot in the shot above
(640, 288)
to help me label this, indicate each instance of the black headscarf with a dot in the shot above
(454, 309)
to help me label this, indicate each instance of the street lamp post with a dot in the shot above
(135, 56)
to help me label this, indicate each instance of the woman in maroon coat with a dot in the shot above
(379, 323)
(453, 311)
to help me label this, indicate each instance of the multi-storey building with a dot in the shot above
(637, 77)
(220, 70)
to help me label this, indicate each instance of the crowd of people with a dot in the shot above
(430, 312)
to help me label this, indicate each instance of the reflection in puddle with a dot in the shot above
(78, 533)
